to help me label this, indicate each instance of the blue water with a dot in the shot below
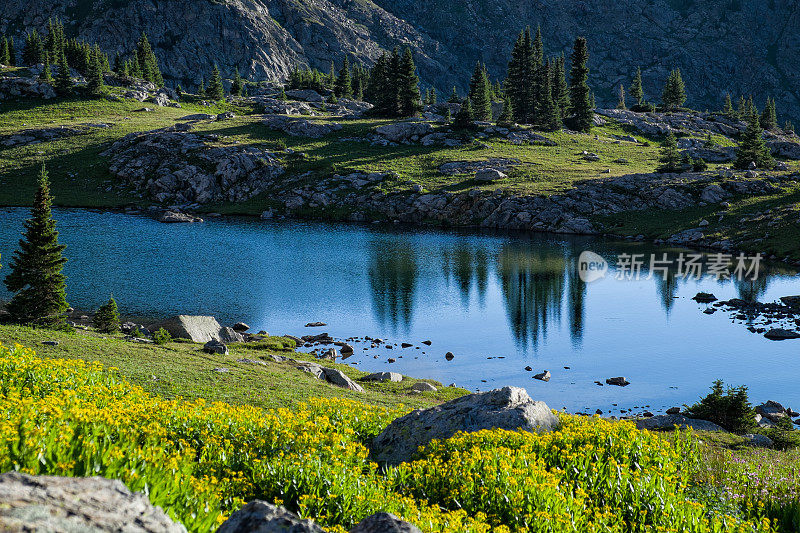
(499, 302)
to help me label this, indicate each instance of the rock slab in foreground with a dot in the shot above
(201, 329)
(668, 422)
(262, 517)
(507, 408)
(92, 505)
(384, 523)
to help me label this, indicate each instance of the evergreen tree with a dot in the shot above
(63, 84)
(54, 40)
(465, 118)
(741, 108)
(560, 88)
(36, 279)
(4, 51)
(621, 102)
(727, 108)
(393, 93)
(94, 81)
(788, 128)
(46, 76)
(579, 93)
(331, 81)
(147, 62)
(769, 118)
(674, 94)
(506, 119)
(179, 90)
(752, 148)
(33, 51)
(537, 81)
(12, 53)
(215, 90)
(201, 89)
(670, 157)
(282, 95)
(408, 86)
(454, 98)
(106, 320)
(517, 77)
(379, 90)
(479, 94)
(344, 83)
(433, 97)
(448, 115)
(636, 90)
(236, 85)
(550, 113)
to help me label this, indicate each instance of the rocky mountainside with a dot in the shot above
(741, 46)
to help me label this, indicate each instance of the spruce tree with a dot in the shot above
(393, 87)
(236, 85)
(147, 62)
(36, 279)
(560, 88)
(63, 84)
(32, 51)
(454, 98)
(215, 90)
(479, 94)
(670, 157)
(550, 114)
(752, 148)
(106, 320)
(636, 90)
(621, 102)
(674, 94)
(769, 118)
(741, 108)
(517, 79)
(282, 95)
(448, 115)
(788, 128)
(344, 82)
(408, 86)
(94, 82)
(201, 89)
(506, 119)
(4, 51)
(751, 108)
(465, 118)
(727, 108)
(434, 97)
(12, 53)
(331, 81)
(579, 92)
(45, 76)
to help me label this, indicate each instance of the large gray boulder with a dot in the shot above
(668, 422)
(507, 408)
(200, 329)
(300, 127)
(384, 523)
(262, 517)
(404, 131)
(72, 505)
(340, 379)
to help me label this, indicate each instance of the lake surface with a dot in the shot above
(499, 302)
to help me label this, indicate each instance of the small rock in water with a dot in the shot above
(316, 324)
(674, 411)
(529, 369)
(391, 360)
(427, 343)
(240, 327)
(544, 376)
(780, 334)
(704, 298)
(449, 356)
(618, 381)
(406, 345)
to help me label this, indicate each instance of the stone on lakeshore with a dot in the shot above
(97, 505)
(316, 324)
(240, 327)
(544, 376)
(199, 329)
(262, 517)
(395, 377)
(507, 408)
(384, 523)
(668, 422)
(176, 217)
(422, 386)
(618, 381)
(780, 334)
(674, 411)
(340, 379)
(215, 346)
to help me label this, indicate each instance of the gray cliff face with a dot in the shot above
(737, 46)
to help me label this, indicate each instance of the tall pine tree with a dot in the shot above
(727, 108)
(506, 119)
(769, 118)
(670, 157)
(408, 86)
(480, 94)
(674, 94)
(621, 103)
(46, 76)
(236, 84)
(560, 87)
(579, 93)
(636, 90)
(215, 90)
(344, 82)
(33, 50)
(63, 82)
(94, 81)
(4, 60)
(464, 119)
(550, 114)
(752, 148)
(36, 279)
(517, 78)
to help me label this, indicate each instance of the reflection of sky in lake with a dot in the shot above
(480, 296)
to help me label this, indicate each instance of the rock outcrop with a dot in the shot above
(200, 329)
(97, 505)
(507, 408)
(300, 127)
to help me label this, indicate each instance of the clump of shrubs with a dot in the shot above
(106, 320)
(729, 408)
(161, 337)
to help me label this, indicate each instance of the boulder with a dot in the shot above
(489, 175)
(240, 327)
(262, 517)
(544, 376)
(760, 441)
(215, 346)
(176, 217)
(384, 523)
(197, 329)
(772, 411)
(403, 131)
(618, 381)
(395, 377)
(422, 386)
(49, 503)
(300, 127)
(340, 379)
(507, 408)
(780, 334)
(668, 422)
(306, 95)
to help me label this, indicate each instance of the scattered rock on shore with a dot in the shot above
(262, 517)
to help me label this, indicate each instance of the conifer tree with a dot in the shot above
(236, 84)
(332, 75)
(674, 94)
(45, 76)
(454, 98)
(550, 114)
(344, 82)
(621, 102)
(95, 83)
(517, 77)
(379, 90)
(432, 100)
(448, 115)
(741, 108)
(465, 118)
(408, 86)
(393, 93)
(147, 62)
(215, 90)
(4, 51)
(479, 94)
(788, 128)
(727, 108)
(33, 51)
(636, 90)
(106, 320)
(751, 108)
(118, 65)
(560, 88)
(506, 119)
(12, 53)
(179, 90)
(579, 92)
(769, 118)
(63, 84)
(752, 148)
(670, 157)
(36, 279)
(201, 89)
(282, 95)
(54, 40)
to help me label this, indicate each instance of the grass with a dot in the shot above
(183, 369)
